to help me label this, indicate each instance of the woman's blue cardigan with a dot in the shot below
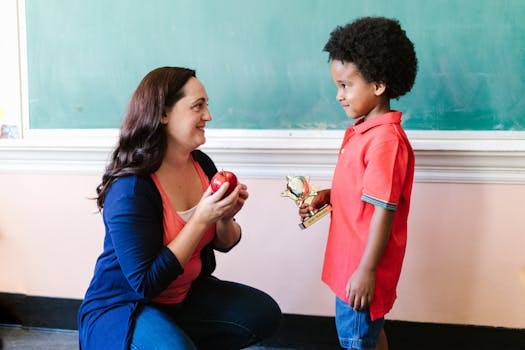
(135, 265)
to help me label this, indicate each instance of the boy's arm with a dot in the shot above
(360, 286)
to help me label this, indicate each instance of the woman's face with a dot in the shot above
(186, 119)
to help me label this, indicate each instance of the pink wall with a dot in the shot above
(462, 266)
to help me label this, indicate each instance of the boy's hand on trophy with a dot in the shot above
(306, 210)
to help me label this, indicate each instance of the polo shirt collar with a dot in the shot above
(361, 126)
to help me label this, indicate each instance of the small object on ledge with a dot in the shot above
(8, 131)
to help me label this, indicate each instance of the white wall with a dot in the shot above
(464, 251)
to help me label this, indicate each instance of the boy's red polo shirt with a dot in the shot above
(375, 168)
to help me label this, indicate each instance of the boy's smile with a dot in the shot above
(357, 96)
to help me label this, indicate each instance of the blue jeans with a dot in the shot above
(355, 329)
(215, 315)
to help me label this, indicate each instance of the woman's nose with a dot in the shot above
(207, 115)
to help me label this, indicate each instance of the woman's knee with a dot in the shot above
(247, 307)
(270, 316)
(154, 329)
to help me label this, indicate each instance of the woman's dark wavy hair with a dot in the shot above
(142, 142)
(381, 51)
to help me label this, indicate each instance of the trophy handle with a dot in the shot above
(327, 208)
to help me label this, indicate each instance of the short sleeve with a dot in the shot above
(385, 173)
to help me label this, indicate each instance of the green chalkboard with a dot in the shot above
(262, 61)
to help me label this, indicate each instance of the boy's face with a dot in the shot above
(357, 96)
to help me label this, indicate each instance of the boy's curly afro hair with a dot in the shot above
(381, 51)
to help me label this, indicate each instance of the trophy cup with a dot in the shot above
(299, 189)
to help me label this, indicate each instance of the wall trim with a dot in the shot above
(441, 156)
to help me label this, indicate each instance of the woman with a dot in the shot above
(152, 287)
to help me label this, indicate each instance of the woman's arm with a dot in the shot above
(133, 220)
(212, 209)
(227, 230)
(228, 234)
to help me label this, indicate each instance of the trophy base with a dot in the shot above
(314, 218)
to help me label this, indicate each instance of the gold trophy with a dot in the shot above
(299, 189)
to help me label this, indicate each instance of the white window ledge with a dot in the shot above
(441, 156)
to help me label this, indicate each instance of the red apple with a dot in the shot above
(221, 177)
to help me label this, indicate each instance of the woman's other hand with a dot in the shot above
(213, 207)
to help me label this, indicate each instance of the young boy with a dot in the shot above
(372, 62)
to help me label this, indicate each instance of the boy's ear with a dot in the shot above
(380, 88)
